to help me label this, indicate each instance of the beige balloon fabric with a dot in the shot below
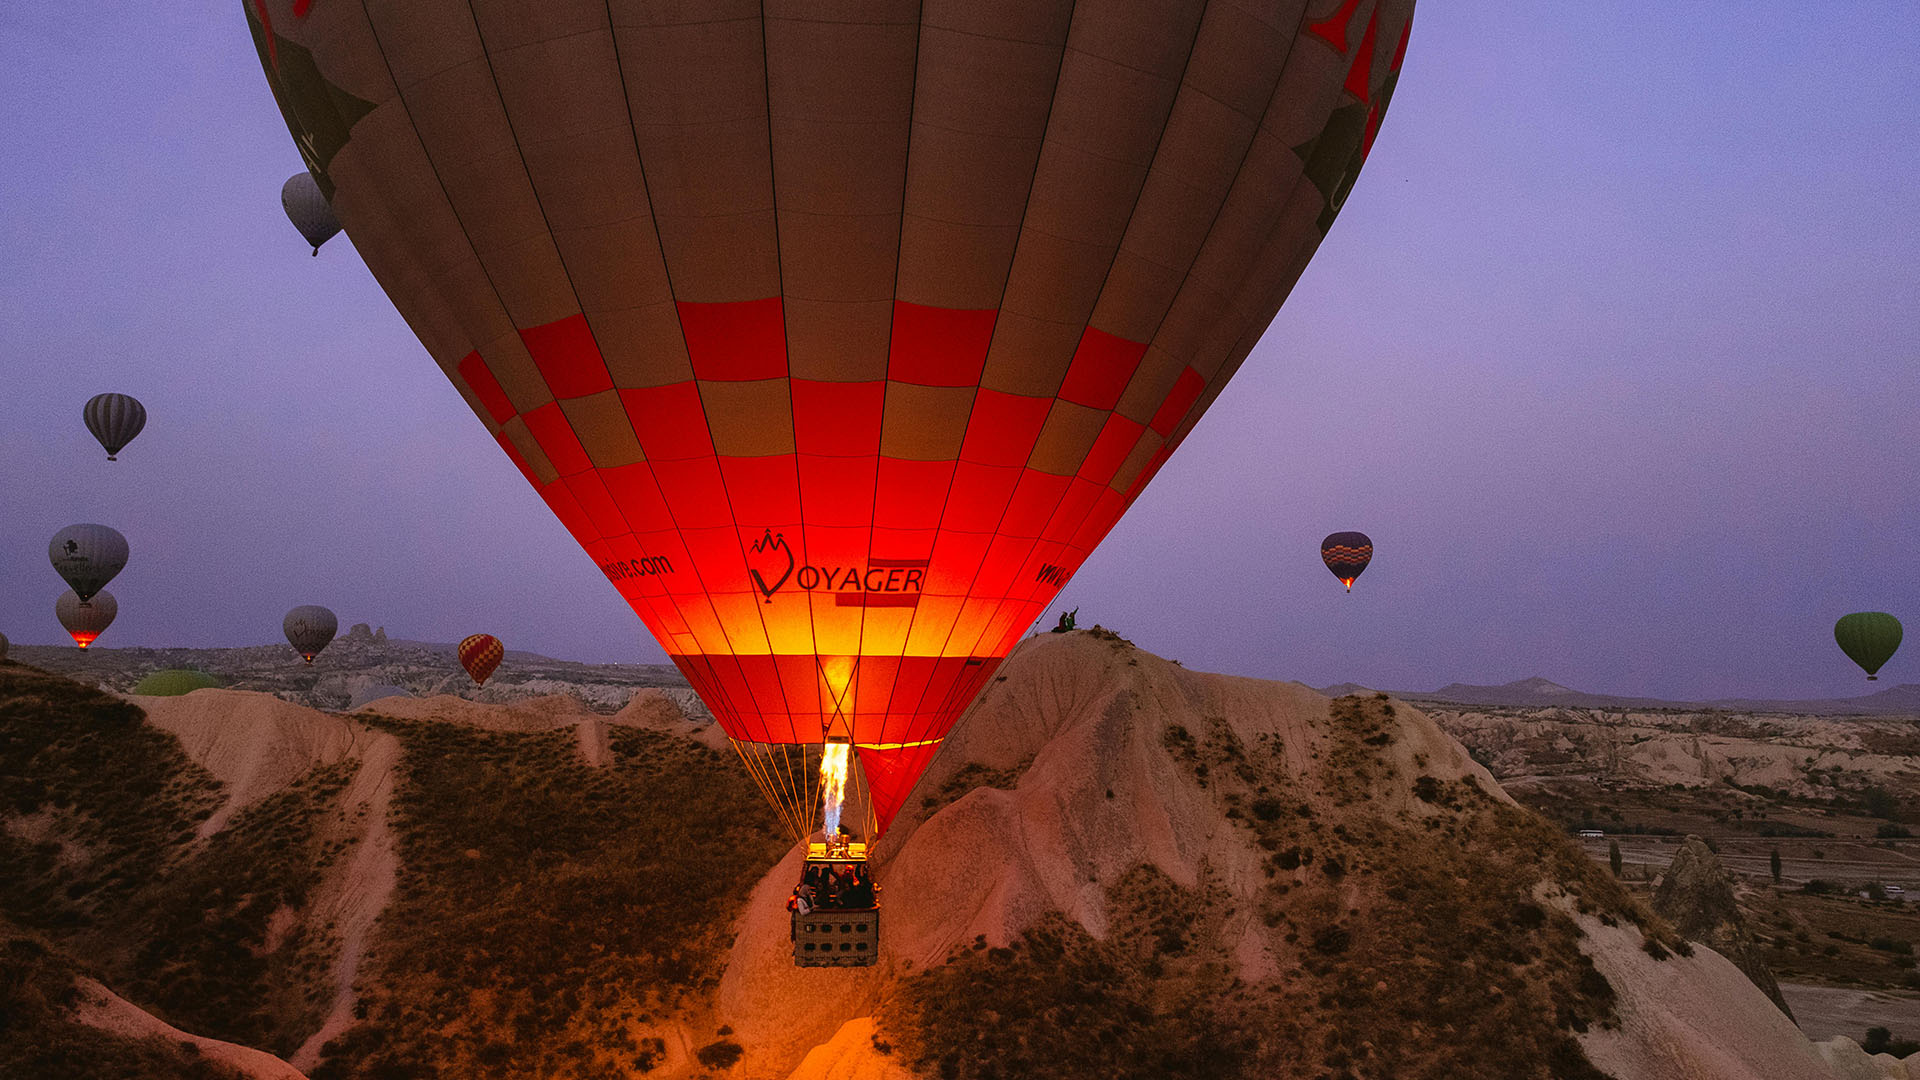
(87, 557)
(838, 332)
(85, 622)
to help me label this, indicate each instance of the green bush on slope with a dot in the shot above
(38, 1038)
(113, 873)
(547, 909)
(1413, 945)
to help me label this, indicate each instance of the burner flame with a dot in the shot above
(833, 785)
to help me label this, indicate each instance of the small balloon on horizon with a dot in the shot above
(1869, 638)
(309, 629)
(85, 622)
(1347, 555)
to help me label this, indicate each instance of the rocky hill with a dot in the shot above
(1116, 868)
(1901, 700)
(1758, 773)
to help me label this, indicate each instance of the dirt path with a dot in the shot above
(367, 882)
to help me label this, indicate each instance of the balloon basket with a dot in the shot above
(831, 935)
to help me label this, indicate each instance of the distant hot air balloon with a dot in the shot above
(85, 622)
(480, 654)
(87, 556)
(309, 628)
(307, 208)
(838, 343)
(1347, 555)
(114, 419)
(1869, 638)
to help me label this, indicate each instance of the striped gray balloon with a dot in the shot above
(87, 556)
(87, 621)
(309, 627)
(308, 209)
(114, 419)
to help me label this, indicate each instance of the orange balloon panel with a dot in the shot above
(838, 333)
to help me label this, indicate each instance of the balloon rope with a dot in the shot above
(762, 780)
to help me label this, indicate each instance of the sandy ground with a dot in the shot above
(1826, 1011)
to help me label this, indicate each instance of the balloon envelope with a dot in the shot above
(85, 622)
(309, 628)
(87, 557)
(114, 419)
(1347, 555)
(480, 654)
(838, 343)
(308, 210)
(1869, 638)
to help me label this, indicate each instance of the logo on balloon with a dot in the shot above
(879, 583)
(776, 556)
(72, 547)
(633, 568)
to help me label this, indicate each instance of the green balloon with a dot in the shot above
(1869, 638)
(174, 682)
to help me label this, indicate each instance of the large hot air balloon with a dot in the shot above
(480, 654)
(309, 628)
(87, 557)
(1347, 555)
(85, 622)
(1869, 638)
(307, 208)
(114, 419)
(838, 335)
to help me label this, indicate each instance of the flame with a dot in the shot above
(84, 639)
(833, 785)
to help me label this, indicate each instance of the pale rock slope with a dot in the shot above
(255, 744)
(1850, 1062)
(101, 1008)
(1088, 747)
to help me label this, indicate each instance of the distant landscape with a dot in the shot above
(1901, 700)
(551, 778)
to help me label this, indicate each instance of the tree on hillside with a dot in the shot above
(1880, 802)
(1881, 1041)
(1613, 856)
(1773, 864)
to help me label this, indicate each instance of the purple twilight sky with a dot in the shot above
(1613, 352)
